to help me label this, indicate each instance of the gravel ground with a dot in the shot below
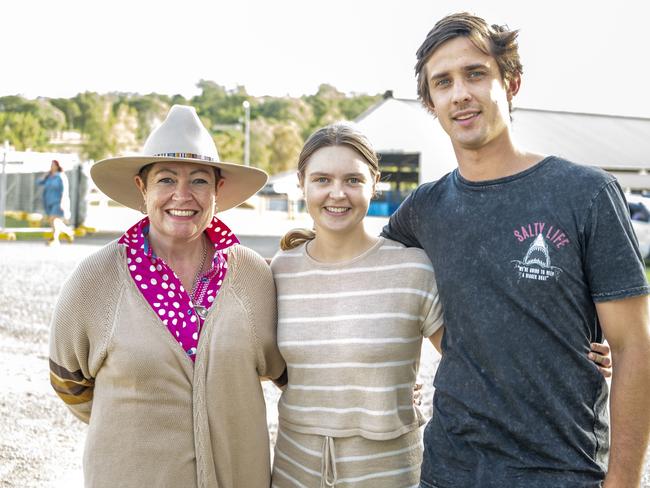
(40, 442)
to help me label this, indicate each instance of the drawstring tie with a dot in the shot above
(328, 463)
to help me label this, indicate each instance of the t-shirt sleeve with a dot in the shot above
(432, 310)
(613, 263)
(402, 224)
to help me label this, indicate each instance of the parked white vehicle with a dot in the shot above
(640, 213)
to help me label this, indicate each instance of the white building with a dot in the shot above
(414, 148)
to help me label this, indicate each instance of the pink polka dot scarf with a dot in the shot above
(183, 315)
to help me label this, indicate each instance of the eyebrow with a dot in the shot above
(320, 173)
(469, 67)
(168, 170)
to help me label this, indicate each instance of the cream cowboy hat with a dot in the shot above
(180, 138)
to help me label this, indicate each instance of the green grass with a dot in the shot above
(14, 222)
(11, 222)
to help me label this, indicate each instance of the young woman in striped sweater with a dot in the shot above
(353, 309)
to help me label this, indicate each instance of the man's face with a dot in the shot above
(468, 94)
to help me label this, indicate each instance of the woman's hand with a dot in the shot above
(601, 356)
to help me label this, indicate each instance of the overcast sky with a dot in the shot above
(578, 55)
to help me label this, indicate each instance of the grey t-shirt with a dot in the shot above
(520, 262)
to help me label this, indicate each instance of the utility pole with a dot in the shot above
(3, 186)
(247, 133)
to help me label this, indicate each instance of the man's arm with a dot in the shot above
(626, 328)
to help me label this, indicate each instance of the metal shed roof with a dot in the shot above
(611, 142)
(618, 144)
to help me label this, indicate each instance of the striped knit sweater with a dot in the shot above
(351, 335)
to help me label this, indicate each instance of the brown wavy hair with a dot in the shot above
(493, 40)
(337, 134)
(59, 169)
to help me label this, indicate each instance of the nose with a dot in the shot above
(460, 92)
(336, 191)
(182, 191)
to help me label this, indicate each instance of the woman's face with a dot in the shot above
(338, 186)
(179, 198)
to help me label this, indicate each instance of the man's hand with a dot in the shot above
(601, 355)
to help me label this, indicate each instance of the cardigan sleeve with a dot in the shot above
(79, 332)
(255, 280)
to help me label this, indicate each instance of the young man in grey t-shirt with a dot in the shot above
(535, 257)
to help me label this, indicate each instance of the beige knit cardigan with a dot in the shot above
(155, 419)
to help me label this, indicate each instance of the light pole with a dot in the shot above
(247, 133)
(3, 186)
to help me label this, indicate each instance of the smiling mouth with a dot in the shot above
(182, 213)
(465, 116)
(337, 210)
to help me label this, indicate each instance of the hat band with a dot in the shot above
(183, 155)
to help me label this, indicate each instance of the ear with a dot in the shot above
(374, 185)
(512, 86)
(220, 184)
(141, 185)
(430, 105)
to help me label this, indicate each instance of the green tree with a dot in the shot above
(230, 145)
(69, 108)
(261, 139)
(219, 105)
(178, 100)
(150, 111)
(285, 109)
(95, 122)
(325, 105)
(355, 105)
(14, 103)
(49, 117)
(23, 131)
(285, 147)
(125, 128)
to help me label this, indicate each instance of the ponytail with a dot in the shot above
(295, 237)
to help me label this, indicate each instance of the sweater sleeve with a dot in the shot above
(257, 289)
(80, 330)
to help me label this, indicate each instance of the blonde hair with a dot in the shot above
(337, 134)
(295, 237)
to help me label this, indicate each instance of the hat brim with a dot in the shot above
(115, 178)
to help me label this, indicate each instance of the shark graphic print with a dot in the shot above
(536, 264)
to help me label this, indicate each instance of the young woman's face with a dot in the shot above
(179, 198)
(338, 186)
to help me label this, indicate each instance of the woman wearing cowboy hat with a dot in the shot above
(159, 339)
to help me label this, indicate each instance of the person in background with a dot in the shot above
(159, 339)
(56, 202)
(535, 257)
(353, 309)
